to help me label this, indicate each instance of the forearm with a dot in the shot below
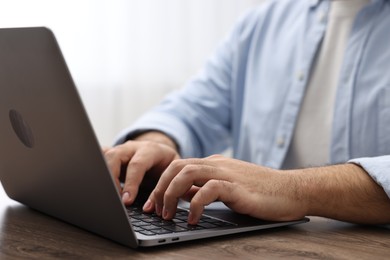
(344, 192)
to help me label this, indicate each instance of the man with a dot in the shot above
(301, 93)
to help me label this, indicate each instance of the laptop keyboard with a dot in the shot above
(152, 224)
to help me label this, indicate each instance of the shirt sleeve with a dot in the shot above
(198, 117)
(378, 168)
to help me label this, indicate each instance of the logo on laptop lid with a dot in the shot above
(21, 128)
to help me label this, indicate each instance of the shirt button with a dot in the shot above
(321, 17)
(280, 142)
(300, 75)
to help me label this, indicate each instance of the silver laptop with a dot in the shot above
(50, 159)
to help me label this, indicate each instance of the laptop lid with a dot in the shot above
(50, 159)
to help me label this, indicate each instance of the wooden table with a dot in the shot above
(25, 233)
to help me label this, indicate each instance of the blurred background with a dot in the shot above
(125, 55)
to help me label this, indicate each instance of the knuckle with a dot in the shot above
(136, 164)
(216, 156)
(158, 192)
(190, 169)
(220, 185)
(215, 184)
(229, 188)
(110, 153)
(148, 143)
(176, 164)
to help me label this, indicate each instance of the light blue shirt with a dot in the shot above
(249, 93)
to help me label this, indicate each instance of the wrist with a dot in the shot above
(158, 137)
(311, 190)
(298, 189)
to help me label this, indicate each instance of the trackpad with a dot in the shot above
(221, 211)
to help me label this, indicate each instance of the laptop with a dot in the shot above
(51, 161)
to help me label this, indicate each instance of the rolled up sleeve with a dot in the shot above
(378, 168)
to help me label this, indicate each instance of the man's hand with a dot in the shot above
(344, 192)
(150, 153)
(244, 187)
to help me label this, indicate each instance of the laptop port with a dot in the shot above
(162, 241)
(175, 239)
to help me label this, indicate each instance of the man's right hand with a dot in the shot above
(149, 154)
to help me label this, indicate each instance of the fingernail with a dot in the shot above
(191, 219)
(125, 197)
(158, 210)
(165, 213)
(147, 205)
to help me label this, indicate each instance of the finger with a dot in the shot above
(150, 207)
(189, 176)
(139, 164)
(153, 157)
(157, 195)
(190, 193)
(213, 190)
(115, 158)
(192, 174)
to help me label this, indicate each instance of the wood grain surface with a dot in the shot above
(28, 234)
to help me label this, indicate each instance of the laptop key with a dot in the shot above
(207, 225)
(150, 224)
(161, 231)
(147, 233)
(176, 220)
(190, 227)
(175, 228)
(151, 227)
(163, 223)
(138, 229)
(142, 224)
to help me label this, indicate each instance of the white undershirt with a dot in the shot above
(312, 135)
